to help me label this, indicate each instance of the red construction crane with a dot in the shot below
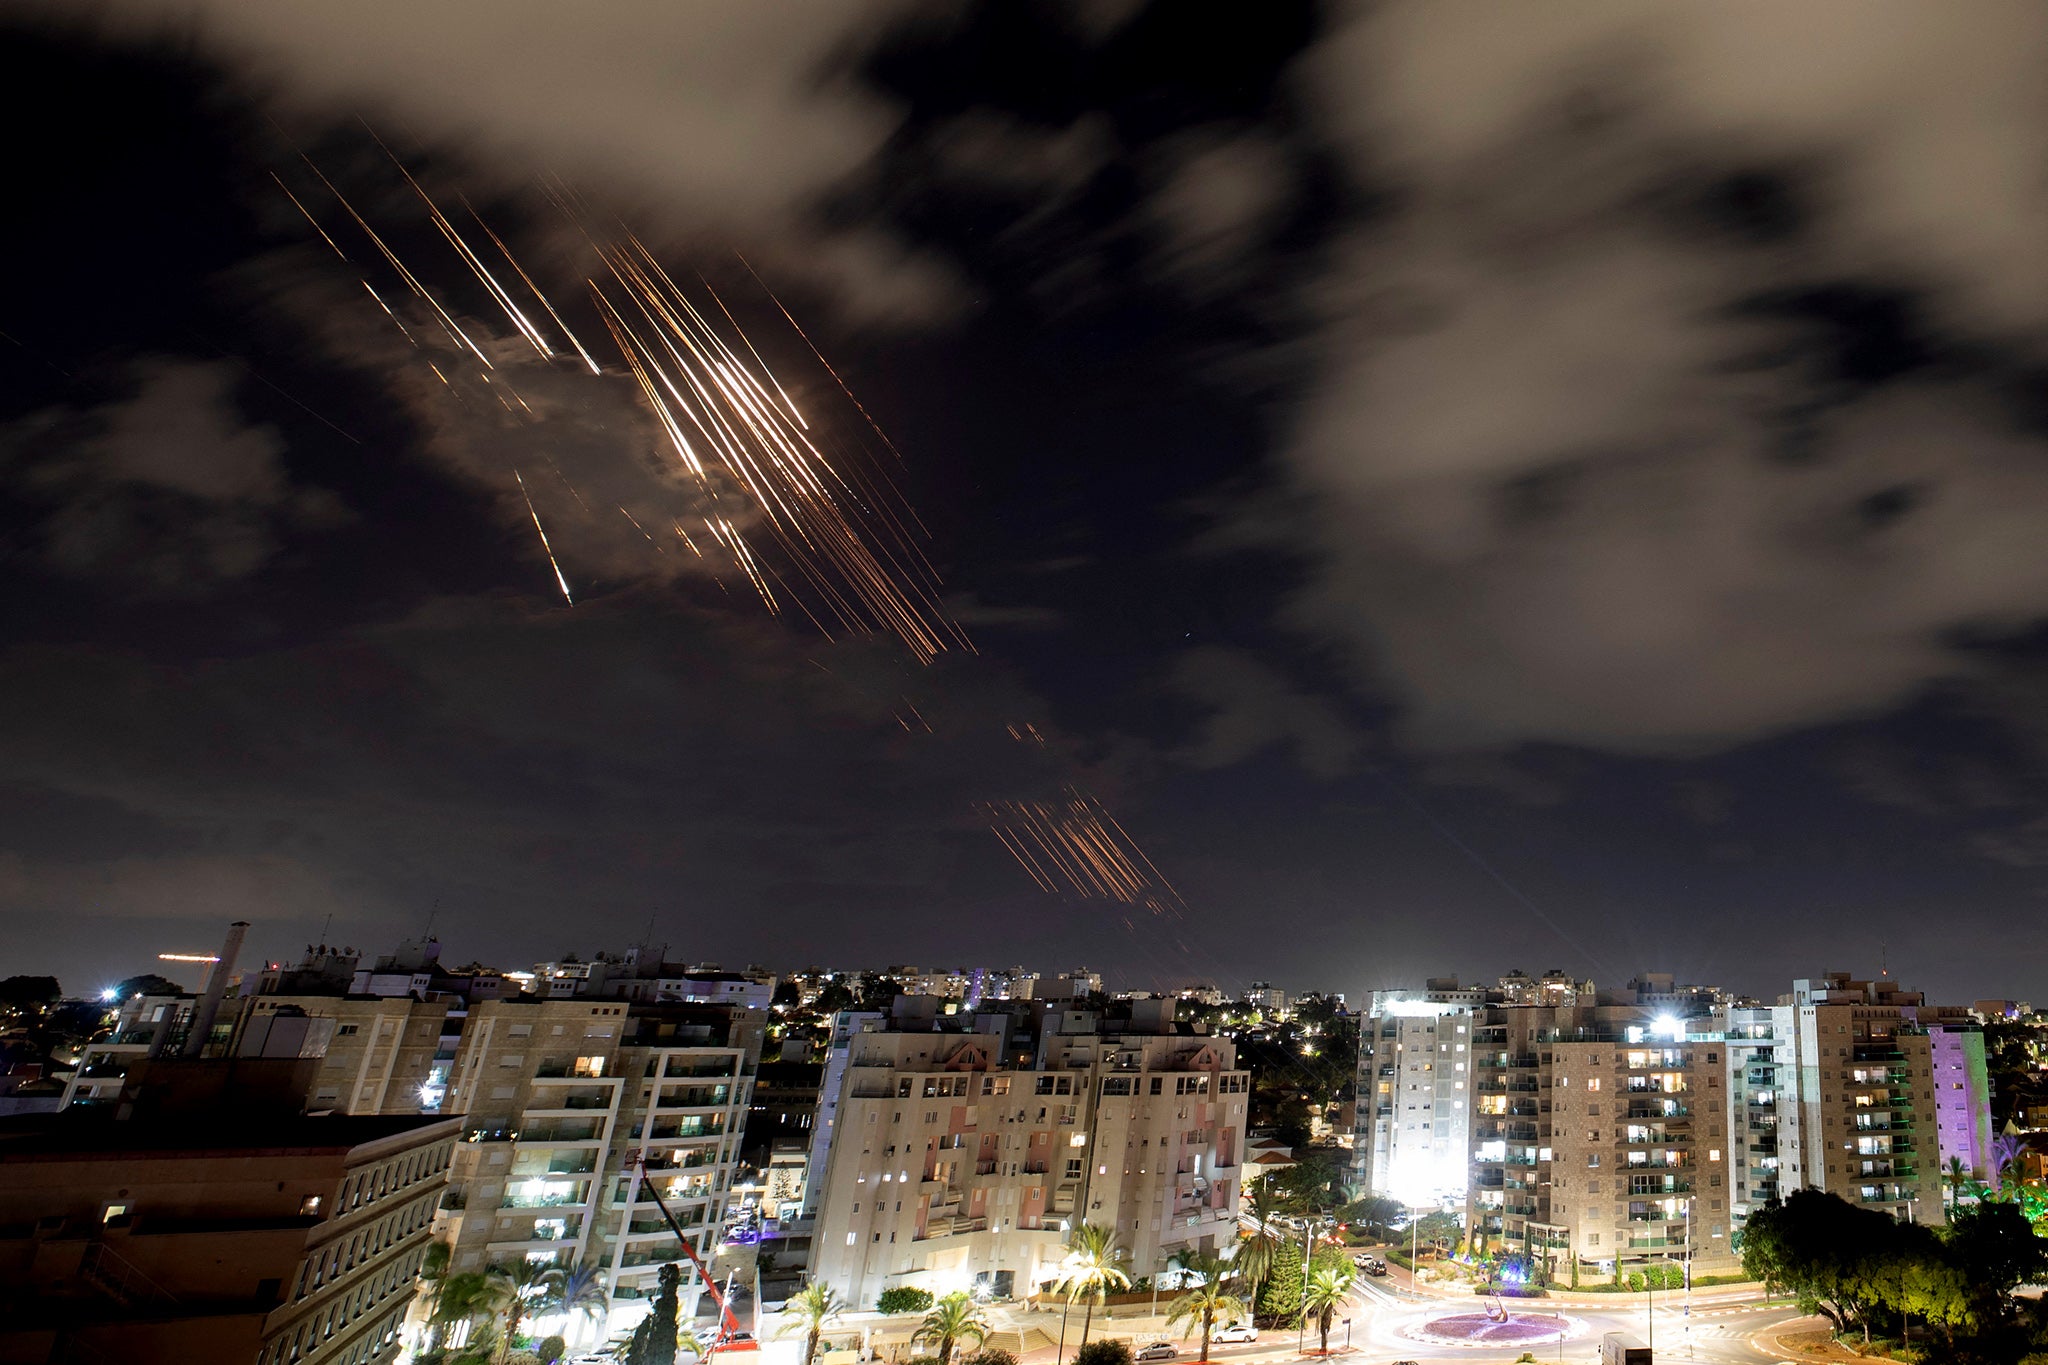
(730, 1337)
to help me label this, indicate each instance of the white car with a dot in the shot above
(1236, 1334)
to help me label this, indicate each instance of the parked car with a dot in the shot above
(1158, 1350)
(1234, 1335)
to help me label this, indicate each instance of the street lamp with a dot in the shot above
(1308, 1235)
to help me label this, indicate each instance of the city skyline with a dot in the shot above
(1305, 496)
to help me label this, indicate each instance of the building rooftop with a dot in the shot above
(75, 1133)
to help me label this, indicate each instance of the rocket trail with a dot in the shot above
(546, 548)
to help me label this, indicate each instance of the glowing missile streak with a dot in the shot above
(751, 351)
(412, 281)
(642, 530)
(567, 596)
(469, 257)
(308, 215)
(872, 423)
(397, 320)
(187, 957)
(513, 261)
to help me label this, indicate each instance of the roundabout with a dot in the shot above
(1484, 1329)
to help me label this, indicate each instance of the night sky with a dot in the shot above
(1468, 488)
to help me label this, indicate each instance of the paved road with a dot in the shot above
(1387, 1322)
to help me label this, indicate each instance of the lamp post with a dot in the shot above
(1308, 1236)
(1650, 1311)
(1687, 1270)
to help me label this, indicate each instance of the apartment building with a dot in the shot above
(201, 1238)
(1412, 1137)
(1857, 1108)
(380, 1055)
(1599, 1131)
(1638, 1151)
(954, 1157)
(1750, 1032)
(572, 1108)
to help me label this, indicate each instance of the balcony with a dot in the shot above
(951, 1227)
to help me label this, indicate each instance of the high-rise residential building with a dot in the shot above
(572, 1107)
(1599, 1130)
(1412, 1139)
(1863, 1068)
(1637, 1147)
(960, 1149)
(201, 1219)
(1750, 1032)
(380, 1055)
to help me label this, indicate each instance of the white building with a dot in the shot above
(1413, 1139)
(948, 1164)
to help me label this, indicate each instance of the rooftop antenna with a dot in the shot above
(325, 925)
(430, 916)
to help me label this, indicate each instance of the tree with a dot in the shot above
(904, 1299)
(584, 1295)
(149, 983)
(1110, 1352)
(534, 1287)
(1376, 1215)
(1292, 1121)
(433, 1275)
(1314, 1183)
(1438, 1229)
(1843, 1262)
(1954, 1177)
(1259, 1252)
(809, 1311)
(1203, 1303)
(1329, 1286)
(953, 1318)
(1090, 1270)
(654, 1340)
(1995, 1250)
(475, 1298)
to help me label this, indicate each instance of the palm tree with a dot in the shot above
(1259, 1252)
(433, 1277)
(534, 1286)
(808, 1311)
(1090, 1270)
(1954, 1177)
(953, 1317)
(475, 1298)
(585, 1296)
(1207, 1301)
(1327, 1289)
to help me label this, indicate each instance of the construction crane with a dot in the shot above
(729, 1336)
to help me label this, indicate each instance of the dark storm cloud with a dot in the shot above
(547, 780)
(723, 120)
(1607, 446)
(1247, 707)
(169, 490)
